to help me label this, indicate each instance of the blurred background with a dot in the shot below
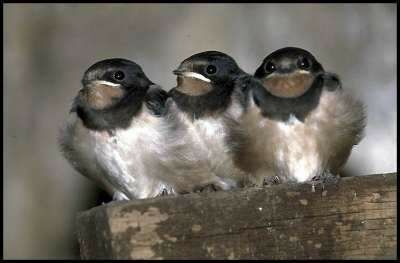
(47, 47)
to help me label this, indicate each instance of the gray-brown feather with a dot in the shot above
(200, 152)
(116, 161)
(169, 152)
(77, 147)
(299, 151)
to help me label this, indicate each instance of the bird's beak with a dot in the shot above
(178, 72)
(185, 71)
(181, 70)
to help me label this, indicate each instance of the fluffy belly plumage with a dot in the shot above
(122, 156)
(297, 152)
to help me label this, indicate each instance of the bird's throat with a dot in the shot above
(290, 86)
(192, 86)
(101, 96)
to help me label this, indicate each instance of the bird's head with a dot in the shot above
(288, 72)
(206, 71)
(108, 81)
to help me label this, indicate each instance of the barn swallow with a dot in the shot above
(301, 124)
(205, 106)
(114, 128)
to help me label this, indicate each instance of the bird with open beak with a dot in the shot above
(205, 106)
(113, 132)
(302, 125)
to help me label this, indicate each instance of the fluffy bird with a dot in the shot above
(114, 129)
(301, 124)
(203, 111)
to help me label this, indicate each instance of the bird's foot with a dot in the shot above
(274, 180)
(207, 188)
(251, 185)
(324, 179)
(167, 191)
(164, 192)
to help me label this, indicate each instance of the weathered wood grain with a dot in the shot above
(356, 219)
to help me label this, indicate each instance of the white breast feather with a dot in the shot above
(121, 154)
(302, 165)
(208, 136)
(235, 110)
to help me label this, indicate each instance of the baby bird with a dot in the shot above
(114, 129)
(204, 108)
(301, 124)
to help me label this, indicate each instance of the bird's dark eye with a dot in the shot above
(211, 69)
(270, 67)
(119, 75)
(303, 63)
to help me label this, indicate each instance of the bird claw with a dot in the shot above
(271, 180)
(207, 189)
(325, 179)
(164, 192)
(111, 133)
(168, 191)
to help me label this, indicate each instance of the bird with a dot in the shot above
(115, 127)
(204, 108)
(301, 124)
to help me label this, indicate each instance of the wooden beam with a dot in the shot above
(356, 219)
